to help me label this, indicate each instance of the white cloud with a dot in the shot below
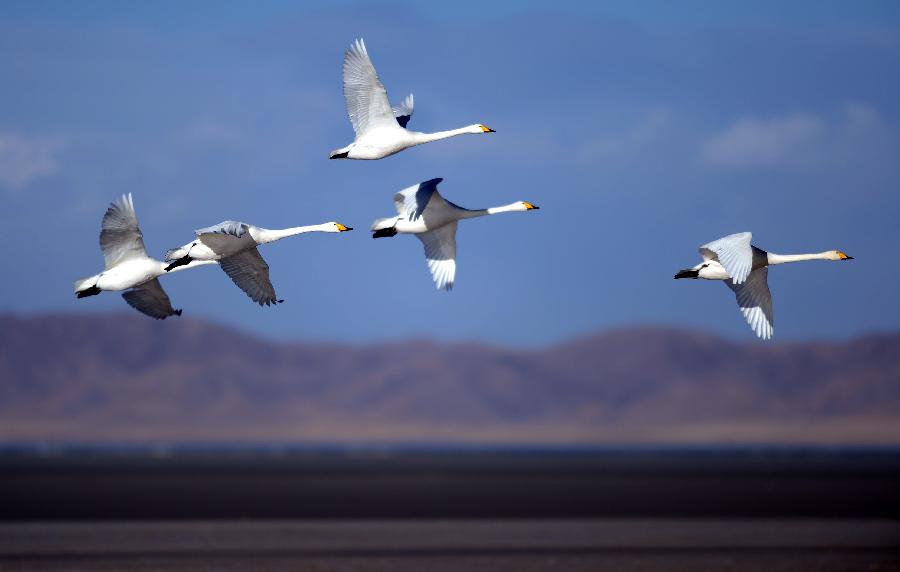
(24, 159)
(856, 135)
(753, 142)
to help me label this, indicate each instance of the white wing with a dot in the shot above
(411, 201)
(120, 236)
(250, 273)
(755, 301)
(367, 100)
(232, 227)
(149, 298)
(733, 252)
(404, 111)
(440, 253)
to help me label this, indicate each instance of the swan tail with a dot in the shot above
(340, 153)
(384, 227)
(87, 286)
(381, 223)
(175, 254)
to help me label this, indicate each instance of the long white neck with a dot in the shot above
(428, 137)
(512, 207)
(783, 258)
(267, 235)
(192, 264)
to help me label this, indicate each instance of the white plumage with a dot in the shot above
(233, 245)
(380, 129)
(422, 211)
(744, 268)
(127, 266)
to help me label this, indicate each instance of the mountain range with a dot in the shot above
(124, 378)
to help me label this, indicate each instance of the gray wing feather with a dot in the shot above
(250, 273)
(120, 236)
(149, 298)
(411, 201)
(234, 228)
(755, 301)
(366, 98)
(733, 252)
(440, 254)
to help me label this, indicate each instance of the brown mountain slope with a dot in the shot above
(122, 377)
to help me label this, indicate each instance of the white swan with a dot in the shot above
(744, 267)
(127, 266)
(422, 211)
(233, 244)
(380, 130)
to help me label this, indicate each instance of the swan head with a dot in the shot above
(526, 206)
(479, 128)
(336, 227)
(838, 255)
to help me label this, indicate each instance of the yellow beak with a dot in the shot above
(529, 206)
(342, 228)
(486, 129)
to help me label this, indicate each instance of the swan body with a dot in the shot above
(422, 211)
(745, 270)
(127, 266)
(380, 129)
(233, 245)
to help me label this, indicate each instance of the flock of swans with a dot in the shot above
(381, 131)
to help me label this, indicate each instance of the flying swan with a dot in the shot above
(422, 211)
(233, 245)
(744, 267)
(380, 129)
(127, 266)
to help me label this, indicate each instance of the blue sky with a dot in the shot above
(641, 129)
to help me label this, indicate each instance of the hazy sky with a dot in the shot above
(641, 129)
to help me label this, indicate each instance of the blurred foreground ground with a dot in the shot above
(475, 545)
(396, 510)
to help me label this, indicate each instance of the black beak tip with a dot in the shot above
(491, 130)
(849, 258)
(535, 207)
(349, 228)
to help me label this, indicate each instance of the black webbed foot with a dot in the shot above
(183, 261)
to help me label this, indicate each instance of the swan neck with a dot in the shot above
(503, 209)
(271, 235)
(437, 136)
(774, 258)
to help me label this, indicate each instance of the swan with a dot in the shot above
(233, 245)
(422, 211)
(127, 266)
(380, 129)
(745, 268)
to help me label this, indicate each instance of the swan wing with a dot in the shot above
(404, 111)
(367, 100)
(120, 235)
(230, 227)
(250, 273)
(411, 201)
(755, 301)
(440, 253)
(149, 298)
(733, 252)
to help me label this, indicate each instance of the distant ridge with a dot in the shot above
(120, 378)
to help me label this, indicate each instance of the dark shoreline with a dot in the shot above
(282, 482)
